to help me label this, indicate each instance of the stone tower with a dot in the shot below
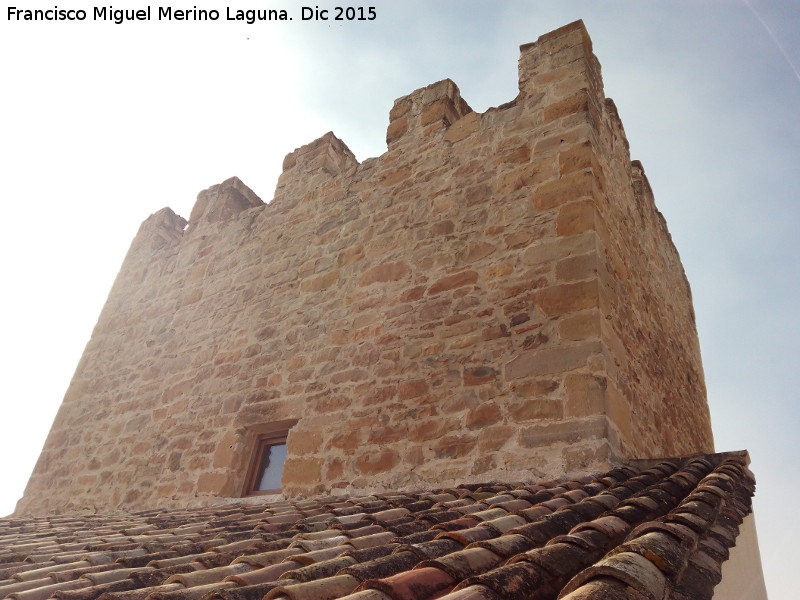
(495, 297)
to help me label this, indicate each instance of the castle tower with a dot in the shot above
(495, 297)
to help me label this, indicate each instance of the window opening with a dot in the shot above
(266, 468)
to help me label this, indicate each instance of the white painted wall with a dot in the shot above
(742, 577)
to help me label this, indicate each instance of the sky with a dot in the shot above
(102, 124)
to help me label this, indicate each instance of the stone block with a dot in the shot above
(479, 375)
(577, 158)
(536, 409)
(454, 446)
(548, 251)
(320, 282)
(348, 441)
(586, 395)
(435, 112)
(223, 201)
(517, 239)
(465, 341)
(215, 483)
(484, 415)
(302, 471)
(350, 255)
(443, 228)
(423, 431)
(580, 458)
(584, 325)
(569, 432)
(577, 217)
(565, 37)
(497, 271)
(619, 412)
(561, 139)
(453, 281)
(227, 452)
(394, 176)
(393, 271)
(400, 108)
(387, 435)
(565, 189)
(379, 461)
(301, 442)
(573, 104)
(463, 128)
(513, 152)
(494, 437)
(534, 340)
(524, 177)
(572, 268)
(535, 388)
(567, 298)
(494, 332)
(476, 252)
(412, 389)
(396, 130)
(334, 470)
(552, 360)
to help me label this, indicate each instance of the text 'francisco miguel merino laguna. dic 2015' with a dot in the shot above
(168, 13)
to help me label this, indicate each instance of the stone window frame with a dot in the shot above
(263, 437)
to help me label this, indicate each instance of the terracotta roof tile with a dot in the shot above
(621, 534)
(507, 546)
(247, 592)
(473, 592)
(417, 584)
(370, 594)
(320, 570)
(465, 563)
(91, 592)
(46, 591)
(385, 566)
(320, 589)
(473, 534)
(420, 537)
(372, 553)
(516, 581)
(434, 548)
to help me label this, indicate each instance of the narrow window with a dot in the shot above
(266, 467)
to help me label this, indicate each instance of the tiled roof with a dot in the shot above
(659, 532)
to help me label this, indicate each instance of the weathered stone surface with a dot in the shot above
(453, 281)
(412, 389)
(385, 272)
(567, 298)
(496, 294)
(371, 463)
(535, 409)
(581, 326)
(320, 282)
(569, 432)
(303, 442)
(302, 471)
(552, 360)
(483, 416)
(583, 266)
(550, 250)
(586, 395)
(454, 446)
(479, 375)
(565, 189)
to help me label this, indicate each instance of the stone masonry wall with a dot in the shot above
(496, 296)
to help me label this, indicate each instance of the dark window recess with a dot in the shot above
(264, 476)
